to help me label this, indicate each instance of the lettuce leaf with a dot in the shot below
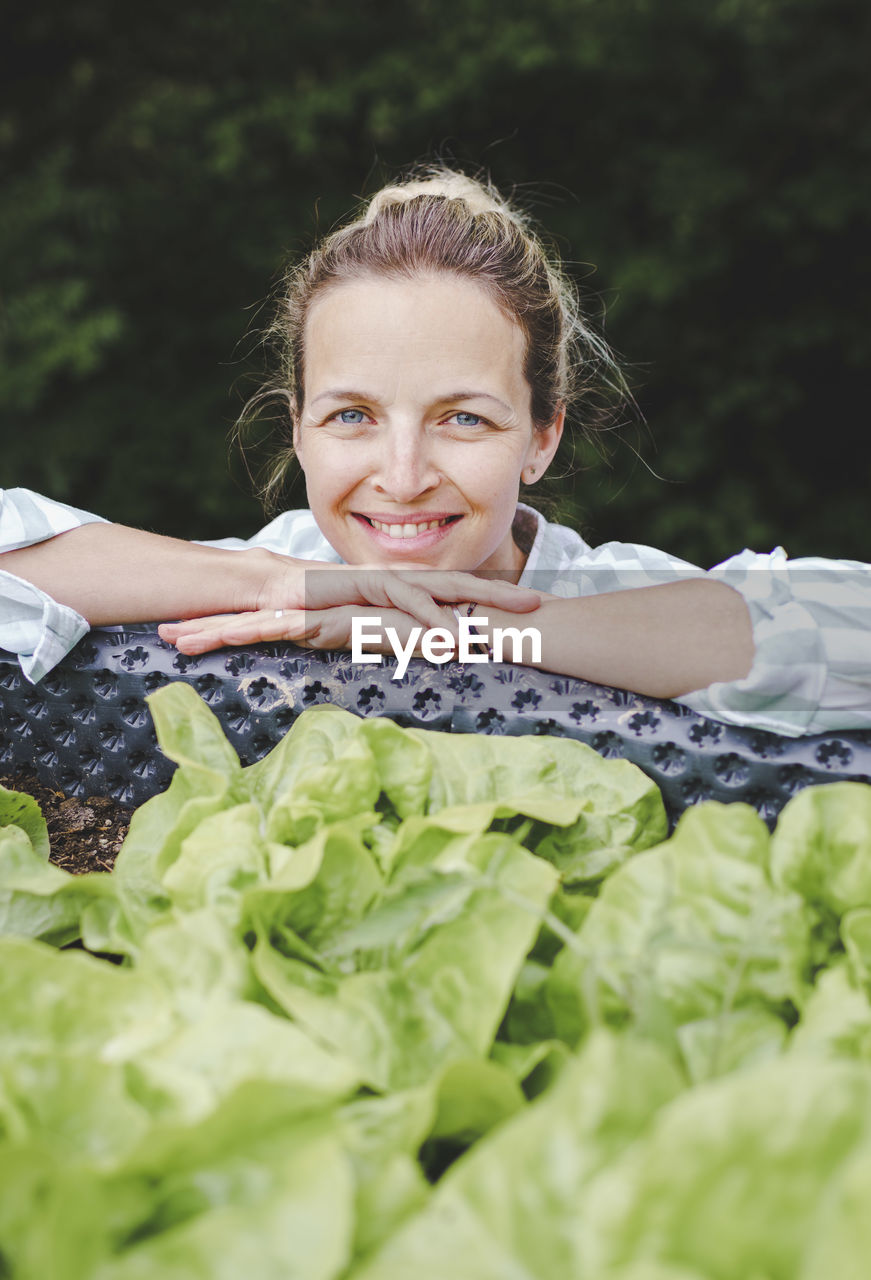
(443, 976)
(745, 1158)
(691, 930)
(821, 846)
(394, 1002)
(514, 1206)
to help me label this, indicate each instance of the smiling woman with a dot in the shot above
(416, 425)
(428, 353)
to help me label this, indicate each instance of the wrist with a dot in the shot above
(272, 581)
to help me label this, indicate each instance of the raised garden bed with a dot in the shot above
(86, 730)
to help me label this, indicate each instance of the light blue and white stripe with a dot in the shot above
(811, 617)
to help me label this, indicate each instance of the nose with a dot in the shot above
(405, 469)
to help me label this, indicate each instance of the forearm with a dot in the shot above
(663, 641)
(110, 573)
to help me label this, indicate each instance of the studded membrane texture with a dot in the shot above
(86, 728)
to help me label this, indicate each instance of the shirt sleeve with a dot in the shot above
(32, 624)
(811, 621)
(40, 630)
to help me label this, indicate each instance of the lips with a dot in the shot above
(396, 528)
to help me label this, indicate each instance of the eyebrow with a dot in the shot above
(344, 393)
(340, 393)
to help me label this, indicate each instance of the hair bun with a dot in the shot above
(441, 182)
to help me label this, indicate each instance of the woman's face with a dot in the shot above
(416, 424)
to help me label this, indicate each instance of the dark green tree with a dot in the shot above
(711, 161)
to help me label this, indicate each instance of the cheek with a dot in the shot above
(330, 471)
(494, 476)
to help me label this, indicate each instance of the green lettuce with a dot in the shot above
(730, 1175)
(391, 1002)
(688, 935)
(431, 975)
(514, 1205)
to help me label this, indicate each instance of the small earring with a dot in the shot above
(531, 474)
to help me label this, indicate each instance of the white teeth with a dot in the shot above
(406, 530)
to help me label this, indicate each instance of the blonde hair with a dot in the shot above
(442, 221)
(448, 184)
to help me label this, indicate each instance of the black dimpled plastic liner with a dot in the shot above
(86, 729)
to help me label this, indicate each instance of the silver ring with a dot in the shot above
(279, 613)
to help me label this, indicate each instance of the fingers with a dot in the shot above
(201, 635)
(416, 592)
(502, 595)
(419, 599)
(334, 598)
(418, 604)
(319, 629)
(372, 589)
(189, 626)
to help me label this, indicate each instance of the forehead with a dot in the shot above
(423, 331)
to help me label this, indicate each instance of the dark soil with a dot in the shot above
(85, 835)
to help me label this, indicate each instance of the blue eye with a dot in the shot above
(467, 419)
(352, 417)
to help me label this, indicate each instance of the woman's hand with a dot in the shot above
(320, 615)
(310, 628)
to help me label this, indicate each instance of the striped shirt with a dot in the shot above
(811, 617)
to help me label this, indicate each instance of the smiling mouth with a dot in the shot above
(409, 529)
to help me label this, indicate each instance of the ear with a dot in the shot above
(543, 446)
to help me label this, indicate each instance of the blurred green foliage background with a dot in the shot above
(703, 166)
